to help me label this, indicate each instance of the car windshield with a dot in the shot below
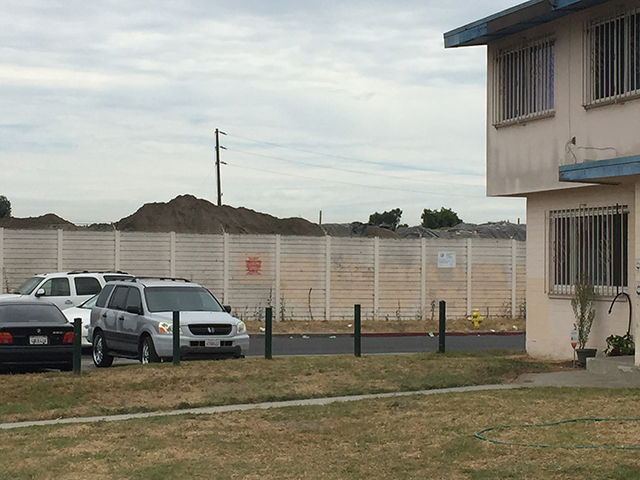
(27, 287)
(16, 313)
(89, 303)
(181, 299)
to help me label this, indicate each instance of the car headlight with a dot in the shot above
(242, 328)
(166, 327)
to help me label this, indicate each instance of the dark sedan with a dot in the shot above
(34, 334)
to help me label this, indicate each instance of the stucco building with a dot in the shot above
(563, 130)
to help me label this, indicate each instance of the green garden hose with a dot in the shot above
(481, 436)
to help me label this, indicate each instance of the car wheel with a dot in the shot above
(101, 357)
(148, 352)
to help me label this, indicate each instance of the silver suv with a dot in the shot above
(65, 289)
(134, 319)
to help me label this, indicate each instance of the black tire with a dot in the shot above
(148, 351)
(100, 351)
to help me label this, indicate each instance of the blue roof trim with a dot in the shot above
(514, 20)
(594, 170)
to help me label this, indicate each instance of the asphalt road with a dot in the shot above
(344, 344)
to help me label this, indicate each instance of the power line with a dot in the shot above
(372, 162)
(359, 172)
(354, 184)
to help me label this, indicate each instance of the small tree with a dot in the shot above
(5, 207)
(390, 219)
(583, 304)
(445, 217)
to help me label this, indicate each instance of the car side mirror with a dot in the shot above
(134, 309)
(227, 308)
(40, 292)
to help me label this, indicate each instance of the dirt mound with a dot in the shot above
(188, 214)
(49, 221)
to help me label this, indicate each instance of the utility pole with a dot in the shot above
(218, 147)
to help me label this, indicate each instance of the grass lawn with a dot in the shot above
(430, 437)
(135, 388)
(415, 437)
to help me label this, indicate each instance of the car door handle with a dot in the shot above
(104, 315)
(121, 317)
(69, 302)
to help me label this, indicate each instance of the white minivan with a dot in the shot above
(134, 319)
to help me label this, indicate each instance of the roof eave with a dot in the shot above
(514, 20)
(600, 171)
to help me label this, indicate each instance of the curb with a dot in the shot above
(435, 334)
(389, 334)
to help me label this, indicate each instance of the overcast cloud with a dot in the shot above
(344, 107)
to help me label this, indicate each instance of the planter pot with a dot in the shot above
(584, 353)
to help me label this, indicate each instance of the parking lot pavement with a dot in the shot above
(87, 362)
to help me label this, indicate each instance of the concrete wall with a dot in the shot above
(301, 277)
(525, 157)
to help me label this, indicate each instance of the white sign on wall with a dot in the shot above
(446, 260)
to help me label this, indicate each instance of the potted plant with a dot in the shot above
(583, 305)
(619, 345)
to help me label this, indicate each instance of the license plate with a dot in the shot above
(210, 342)
(38, 340)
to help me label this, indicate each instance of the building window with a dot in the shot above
(612, 51)
(591, 242)
(523, 82)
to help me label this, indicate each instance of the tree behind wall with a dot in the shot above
(389, 219)
(445, 217)
(5, 207)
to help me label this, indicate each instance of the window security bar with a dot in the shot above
(592, 242)
(612, 58)
(523, 82)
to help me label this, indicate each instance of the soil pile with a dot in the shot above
(188, 214)
(49, 221)
(183, 214)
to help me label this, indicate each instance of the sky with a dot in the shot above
(345, 107)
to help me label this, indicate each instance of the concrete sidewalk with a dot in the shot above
(603, 372)
(251, 406)
(570, 378)
(573, 378)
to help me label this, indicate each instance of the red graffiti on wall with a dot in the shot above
(254, 264)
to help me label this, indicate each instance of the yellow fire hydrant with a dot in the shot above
(475, 318)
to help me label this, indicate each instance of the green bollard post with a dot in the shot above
(77, 345)
(176, 338)
(443, 326)
(357, 333)
(267, 333)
